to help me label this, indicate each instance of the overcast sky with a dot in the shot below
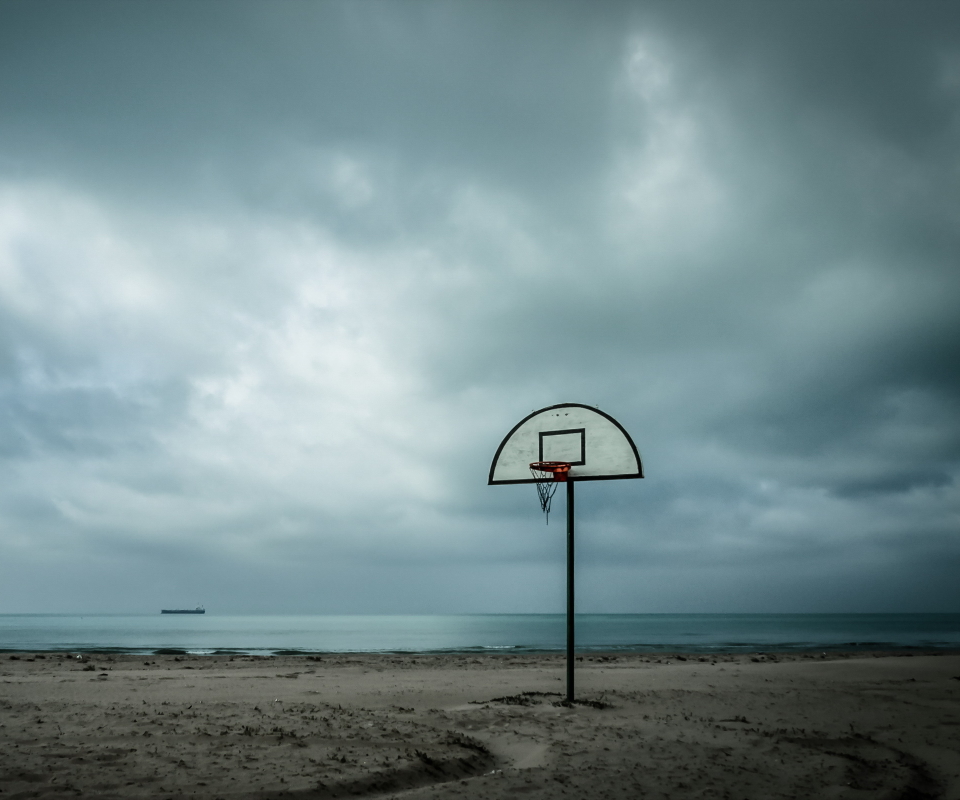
(276, 278)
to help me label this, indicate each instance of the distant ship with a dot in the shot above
(197, 610)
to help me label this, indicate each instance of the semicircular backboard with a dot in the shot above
(595, 444)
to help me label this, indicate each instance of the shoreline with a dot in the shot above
(417, 726)
(848, 650)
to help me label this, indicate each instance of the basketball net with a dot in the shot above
(546, 488)
(547, 475)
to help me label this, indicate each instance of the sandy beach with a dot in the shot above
(746, 726)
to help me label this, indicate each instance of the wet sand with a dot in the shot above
(798, 726)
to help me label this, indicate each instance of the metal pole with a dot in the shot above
(570, 617)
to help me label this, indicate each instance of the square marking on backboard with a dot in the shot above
(568, 445)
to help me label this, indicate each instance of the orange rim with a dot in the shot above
(558, 468)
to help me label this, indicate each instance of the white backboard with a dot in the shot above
(595, 444)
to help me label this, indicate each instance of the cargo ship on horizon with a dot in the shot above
(197, 610)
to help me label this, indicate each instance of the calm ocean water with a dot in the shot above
(212, 633)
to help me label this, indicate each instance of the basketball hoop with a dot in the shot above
(547, 475)
(551, 441)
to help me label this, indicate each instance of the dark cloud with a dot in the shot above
(276, 279)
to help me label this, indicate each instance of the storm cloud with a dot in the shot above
(276, 279)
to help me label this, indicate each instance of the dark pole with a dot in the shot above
(570, 591)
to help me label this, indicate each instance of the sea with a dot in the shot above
(213, 633)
